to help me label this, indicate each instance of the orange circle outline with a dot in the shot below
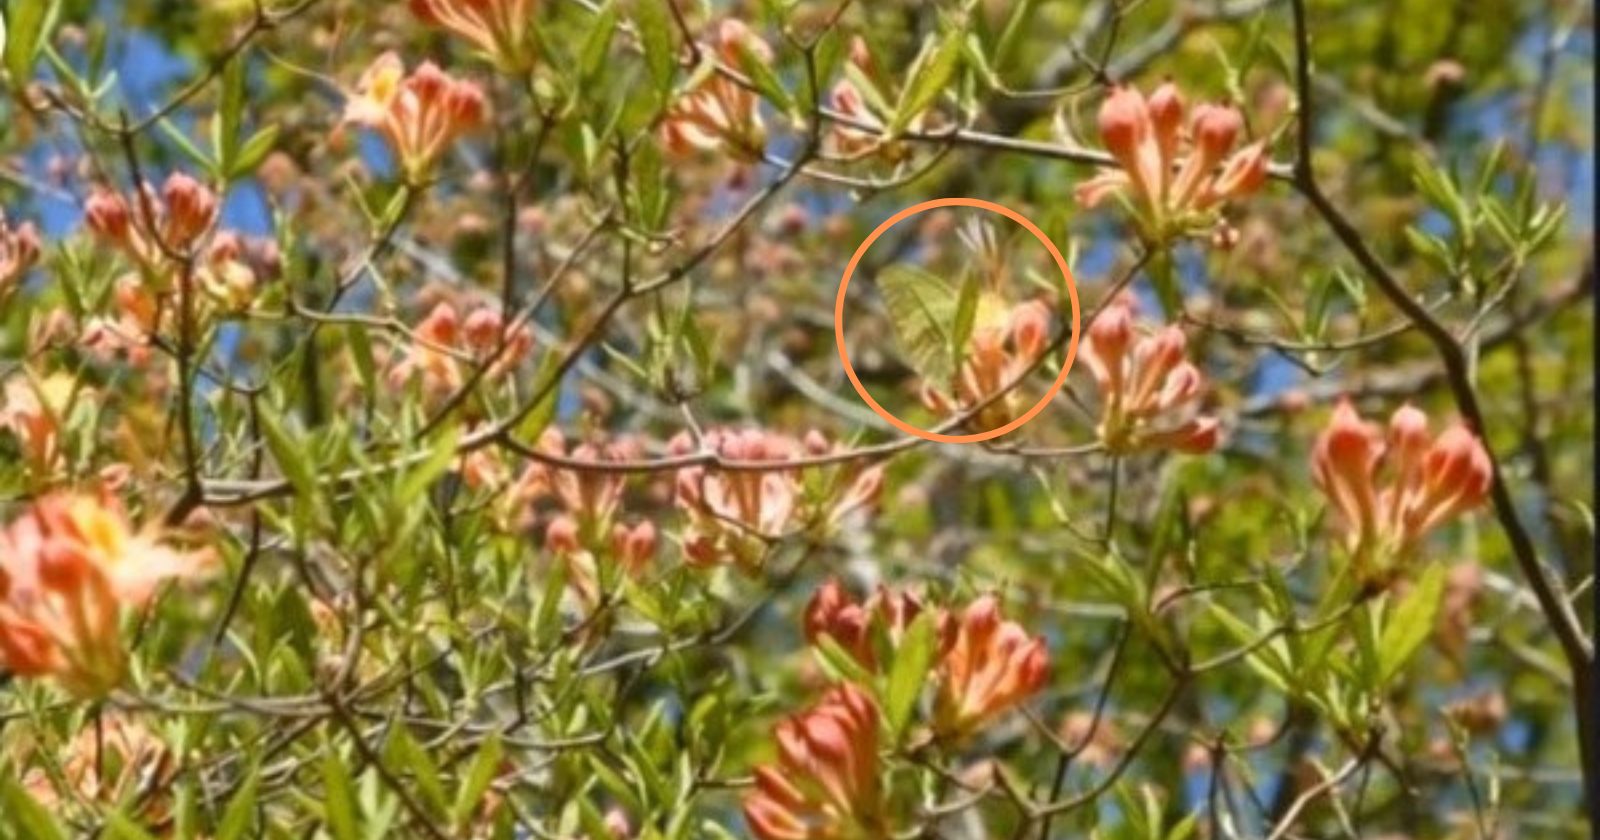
(850, 270)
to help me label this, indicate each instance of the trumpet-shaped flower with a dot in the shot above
(1430, 480)
(825, 784)
(996, 357)
(720, 114)
(68, 567)
(1150, 395)
(501, 29)
(1175, 176)
(19, 252)
(990, 666)
(420, 115)
(444, 342)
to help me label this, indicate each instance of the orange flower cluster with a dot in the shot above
(68, 567)
(443, 342)
(501, 29)
(825, 785)
(165, 235)
(1150, 394)
(862, 130)
(420, 115)
(733, 513)
(863, 629)
(996, 358)
(720, 114)
(986, 665)
(990, 666)
(1431, 481)
(1176, 177)
(587, 531)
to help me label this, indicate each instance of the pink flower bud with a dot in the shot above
(191, 208)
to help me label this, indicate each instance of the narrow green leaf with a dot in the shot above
(598, 43)
(241, 810)
(289, 454)
(909, 673)
(931, 74)
(22, 812)
(339, 805)
(655, 36)
(1410, 623)
(30, 20)
(966, 317)
(838, 663)
(482, 774)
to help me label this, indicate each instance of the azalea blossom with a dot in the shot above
(1150, 395)
(420, 115)
(68, 568)
(858, 626)
(19, 252)
(862, 131)
(991, 665)
(173, 220)
(733, 513)
(443, 343)
(1176, 176)
(501, 29)
(825, 784)
(1390, 490)
(35, 412)
(720, 114)
(996, 358)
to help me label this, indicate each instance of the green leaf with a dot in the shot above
(922, 307)
(289, 454)
(966, 317)
(598, 43)
(241, 810)
(21, 811)
(483, 771)
(761, 75)
(30, 20)
(230, 111)
(120, 827)
(838, 663)
(929, 75)
(254, 151)
(910, 672)
(185, 145)
(655, 36)
(1411, 623)
(338, 792)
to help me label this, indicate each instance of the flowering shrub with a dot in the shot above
(428, 419)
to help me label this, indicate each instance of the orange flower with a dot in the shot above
(996, 357)
(720, 114)
(990, 666)
(67, 568)
(501, 29)
(19, 251)
(1173, 195)
(1431, 481)
(855, 626)
(1150, 394)
(35, 411)
(184, 211)
(190, 210)
(443, 342)
(420, 115)
(825, 785)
